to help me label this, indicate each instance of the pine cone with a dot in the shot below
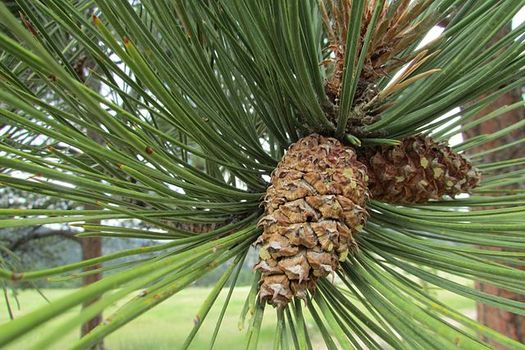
(314, 208)
(417, 170)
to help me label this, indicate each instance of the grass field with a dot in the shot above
(166, 326)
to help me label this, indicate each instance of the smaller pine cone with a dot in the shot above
(314, 208)
(417, 170)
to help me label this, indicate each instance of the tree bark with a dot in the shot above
(507, 323)
(92, 248)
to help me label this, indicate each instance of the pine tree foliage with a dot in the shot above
(200, 100)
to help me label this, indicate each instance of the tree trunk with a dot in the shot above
(92, 248)
(508, 323)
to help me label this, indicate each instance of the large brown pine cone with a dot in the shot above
(417, 170)
(314, 208)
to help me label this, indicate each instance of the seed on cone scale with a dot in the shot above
(314, 207)
(417, 170)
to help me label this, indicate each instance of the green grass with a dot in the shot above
(166, 326)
